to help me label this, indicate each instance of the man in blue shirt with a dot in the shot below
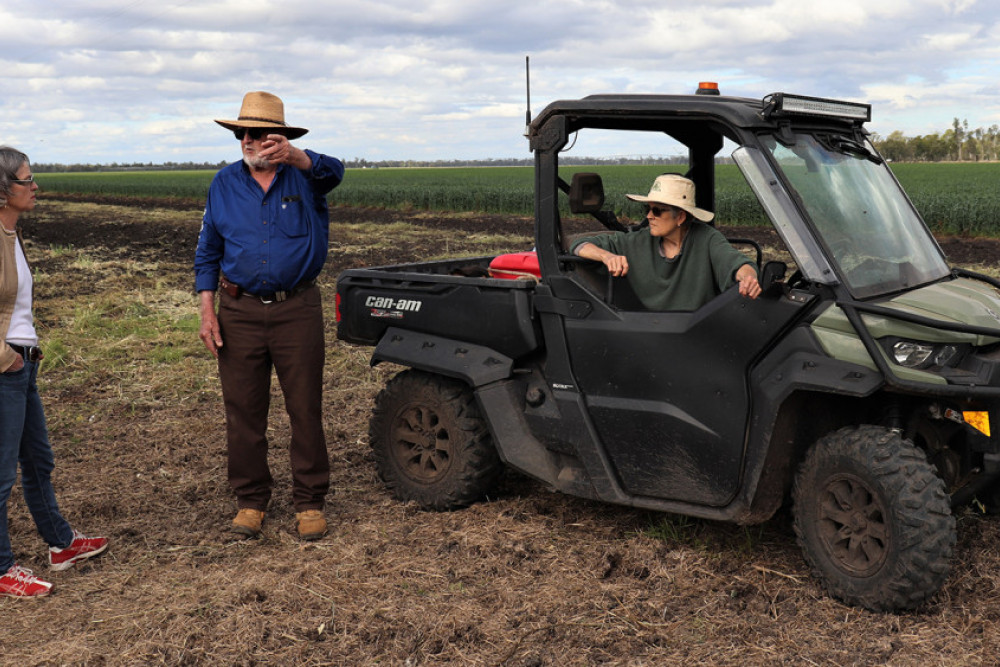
(263, 242)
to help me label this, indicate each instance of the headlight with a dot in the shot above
(944, 355)
(910, 354)
(913, 354)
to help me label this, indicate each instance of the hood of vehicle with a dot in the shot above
(955, 301)
(962, 301)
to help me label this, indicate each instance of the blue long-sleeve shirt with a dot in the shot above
(266, 242)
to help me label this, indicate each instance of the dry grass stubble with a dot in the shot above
(530, 578)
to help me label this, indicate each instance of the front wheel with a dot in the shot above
(430, 443)
(873, 519)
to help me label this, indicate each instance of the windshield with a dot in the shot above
(859, 213)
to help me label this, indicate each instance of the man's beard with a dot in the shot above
(257, 162)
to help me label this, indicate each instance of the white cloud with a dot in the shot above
(141, 80)
(949, 42)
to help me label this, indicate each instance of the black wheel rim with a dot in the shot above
(421, 444)
(852, 525)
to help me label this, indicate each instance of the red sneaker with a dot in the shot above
(81, 548)
(18, 582)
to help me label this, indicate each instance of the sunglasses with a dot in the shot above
(658, 211)
(24, 181)
(254, 132)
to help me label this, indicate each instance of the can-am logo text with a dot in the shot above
(388, 303)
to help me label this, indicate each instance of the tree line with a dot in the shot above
(55, 167)
(362, 163)
(957, 144)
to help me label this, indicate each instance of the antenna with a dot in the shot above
(527, 80)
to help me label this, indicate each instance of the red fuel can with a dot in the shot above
(516, 266)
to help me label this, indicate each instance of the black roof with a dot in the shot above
(616, 111)
(740, 111)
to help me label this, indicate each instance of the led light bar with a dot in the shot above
(816, 106)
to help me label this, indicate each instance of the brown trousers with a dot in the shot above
(287, 336)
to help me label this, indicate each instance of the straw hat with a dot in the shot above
(674, 190)
(263, 110)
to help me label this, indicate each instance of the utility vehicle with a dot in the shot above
(862, 387)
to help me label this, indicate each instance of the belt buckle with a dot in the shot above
(276, 296)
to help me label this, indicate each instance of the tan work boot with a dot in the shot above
(248, 522)
(311, 524)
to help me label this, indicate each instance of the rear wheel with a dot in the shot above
(430, 443)
(873, 519)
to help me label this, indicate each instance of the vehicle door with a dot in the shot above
(668, 393)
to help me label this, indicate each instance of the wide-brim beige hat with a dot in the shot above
(262, 109)
(674, 190)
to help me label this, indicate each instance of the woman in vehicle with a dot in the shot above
(24, 439)
(678, 262)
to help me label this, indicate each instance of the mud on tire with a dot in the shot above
(430, 442)
(873, 519)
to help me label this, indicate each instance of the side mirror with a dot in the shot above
(586, 193)
(772, 274)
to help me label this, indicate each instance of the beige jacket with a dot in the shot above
(8, 291)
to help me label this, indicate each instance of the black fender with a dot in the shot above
(476, 365)
(796, 368)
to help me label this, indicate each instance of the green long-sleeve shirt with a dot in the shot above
(704, 268)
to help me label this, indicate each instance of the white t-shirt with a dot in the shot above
(22, 325)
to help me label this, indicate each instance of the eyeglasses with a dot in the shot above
(24, 181)
(658, 211)
(254, 132)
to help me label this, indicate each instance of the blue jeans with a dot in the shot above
(24, 440)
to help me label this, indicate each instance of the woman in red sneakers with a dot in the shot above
(24, 437)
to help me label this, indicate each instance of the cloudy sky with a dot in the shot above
(105, 81)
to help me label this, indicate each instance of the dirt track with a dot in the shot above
(531, 578)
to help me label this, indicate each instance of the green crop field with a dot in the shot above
(510, 189)
(168, 184)
(955, 198)
(952, 198)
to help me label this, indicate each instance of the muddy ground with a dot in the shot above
(530, 578)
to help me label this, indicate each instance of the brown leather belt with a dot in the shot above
(235, 291)
(30, 352)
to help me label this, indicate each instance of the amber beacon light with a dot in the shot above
(707, 88)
